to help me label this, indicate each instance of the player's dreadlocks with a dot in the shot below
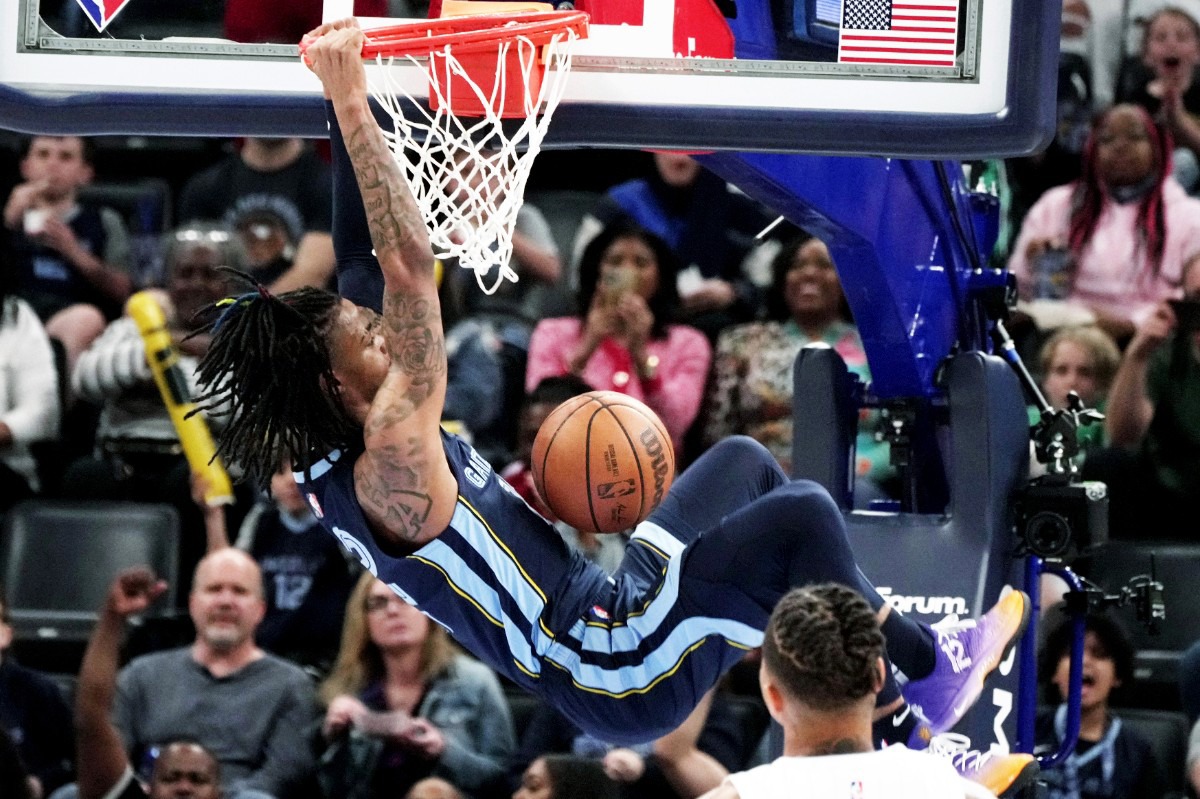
(268, 368)
(823, 644)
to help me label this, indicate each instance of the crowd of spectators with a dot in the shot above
(305, 678)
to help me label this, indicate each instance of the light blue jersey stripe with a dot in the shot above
(508, 572)
(484, 597)
(628, 636)
(659, 664)
(319, 468)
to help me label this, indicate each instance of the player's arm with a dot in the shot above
(403, 482)
(100, 752)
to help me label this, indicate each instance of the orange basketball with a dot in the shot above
(602, 461)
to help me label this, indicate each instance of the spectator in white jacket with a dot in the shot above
(29, 399)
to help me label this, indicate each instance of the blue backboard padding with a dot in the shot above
(887, 227)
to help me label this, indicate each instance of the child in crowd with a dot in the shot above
(1165, 85)
(1111, 761)
(1082, 359)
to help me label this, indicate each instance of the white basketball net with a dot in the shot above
(469, 180)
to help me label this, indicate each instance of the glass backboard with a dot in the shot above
(946, 78)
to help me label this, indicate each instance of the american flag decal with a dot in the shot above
(908, 33)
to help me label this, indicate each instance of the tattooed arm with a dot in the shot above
(403, 481)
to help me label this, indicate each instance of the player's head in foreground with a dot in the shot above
(822, 666)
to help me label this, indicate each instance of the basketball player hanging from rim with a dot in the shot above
(354, 399)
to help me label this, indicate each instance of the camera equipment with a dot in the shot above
(1056, 514)
(1144, 592)
(1057, 517)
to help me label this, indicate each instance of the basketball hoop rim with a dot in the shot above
(474, 32)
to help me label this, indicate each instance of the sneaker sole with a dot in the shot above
(1019, 782)
(974, 687)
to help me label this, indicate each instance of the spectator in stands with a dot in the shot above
(71, 258)
(404, 704)
(538, 266)
(182, 768)
(433, 788)
(1110, 246)
(250, 709)
(709, 227)
(138, 457)
(1111, 761)
(751, 390)
(606, 551)
(566, 777)
(1165, 84)
(35, 717)
(29, 397)
(1082, 359)
(282, 177)
(481, 357)
(490, 344)
(306, 574)
(14, 781)
(624, 338)
(1189, 682)
(268, 243)
(1153, 422)
(1193, 759)
(1189, 691)
(640, 771)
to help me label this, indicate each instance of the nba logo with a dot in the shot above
(101, 12)
(856, 789)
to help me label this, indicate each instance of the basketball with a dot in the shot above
(602, 461)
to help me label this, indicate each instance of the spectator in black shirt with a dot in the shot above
(35, 716)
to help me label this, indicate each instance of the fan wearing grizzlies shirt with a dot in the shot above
(354, 398)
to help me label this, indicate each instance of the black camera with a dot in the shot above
(1059, 519)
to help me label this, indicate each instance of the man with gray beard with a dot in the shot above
(249, 708)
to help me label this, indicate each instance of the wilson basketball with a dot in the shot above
(602, 461)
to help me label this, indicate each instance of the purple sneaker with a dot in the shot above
(1004, 774)
(967, 653)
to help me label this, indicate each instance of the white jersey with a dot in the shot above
(891, 773)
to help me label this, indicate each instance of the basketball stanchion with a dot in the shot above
(602, 461)
(494, 82)
(194, 436)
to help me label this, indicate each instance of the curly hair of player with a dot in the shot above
(269, 370)
(824, 645)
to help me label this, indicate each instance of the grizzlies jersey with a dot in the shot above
(626, 658)
(500, 578)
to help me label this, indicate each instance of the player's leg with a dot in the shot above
(359, 278)
(796, 535)
(729, 475)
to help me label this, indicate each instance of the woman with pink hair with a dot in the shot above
(1110, 246)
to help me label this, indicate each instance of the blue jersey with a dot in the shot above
(505, 585)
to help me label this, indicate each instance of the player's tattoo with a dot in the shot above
(393, 217)
(840, 746)
(391, 482)
(413, 328)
